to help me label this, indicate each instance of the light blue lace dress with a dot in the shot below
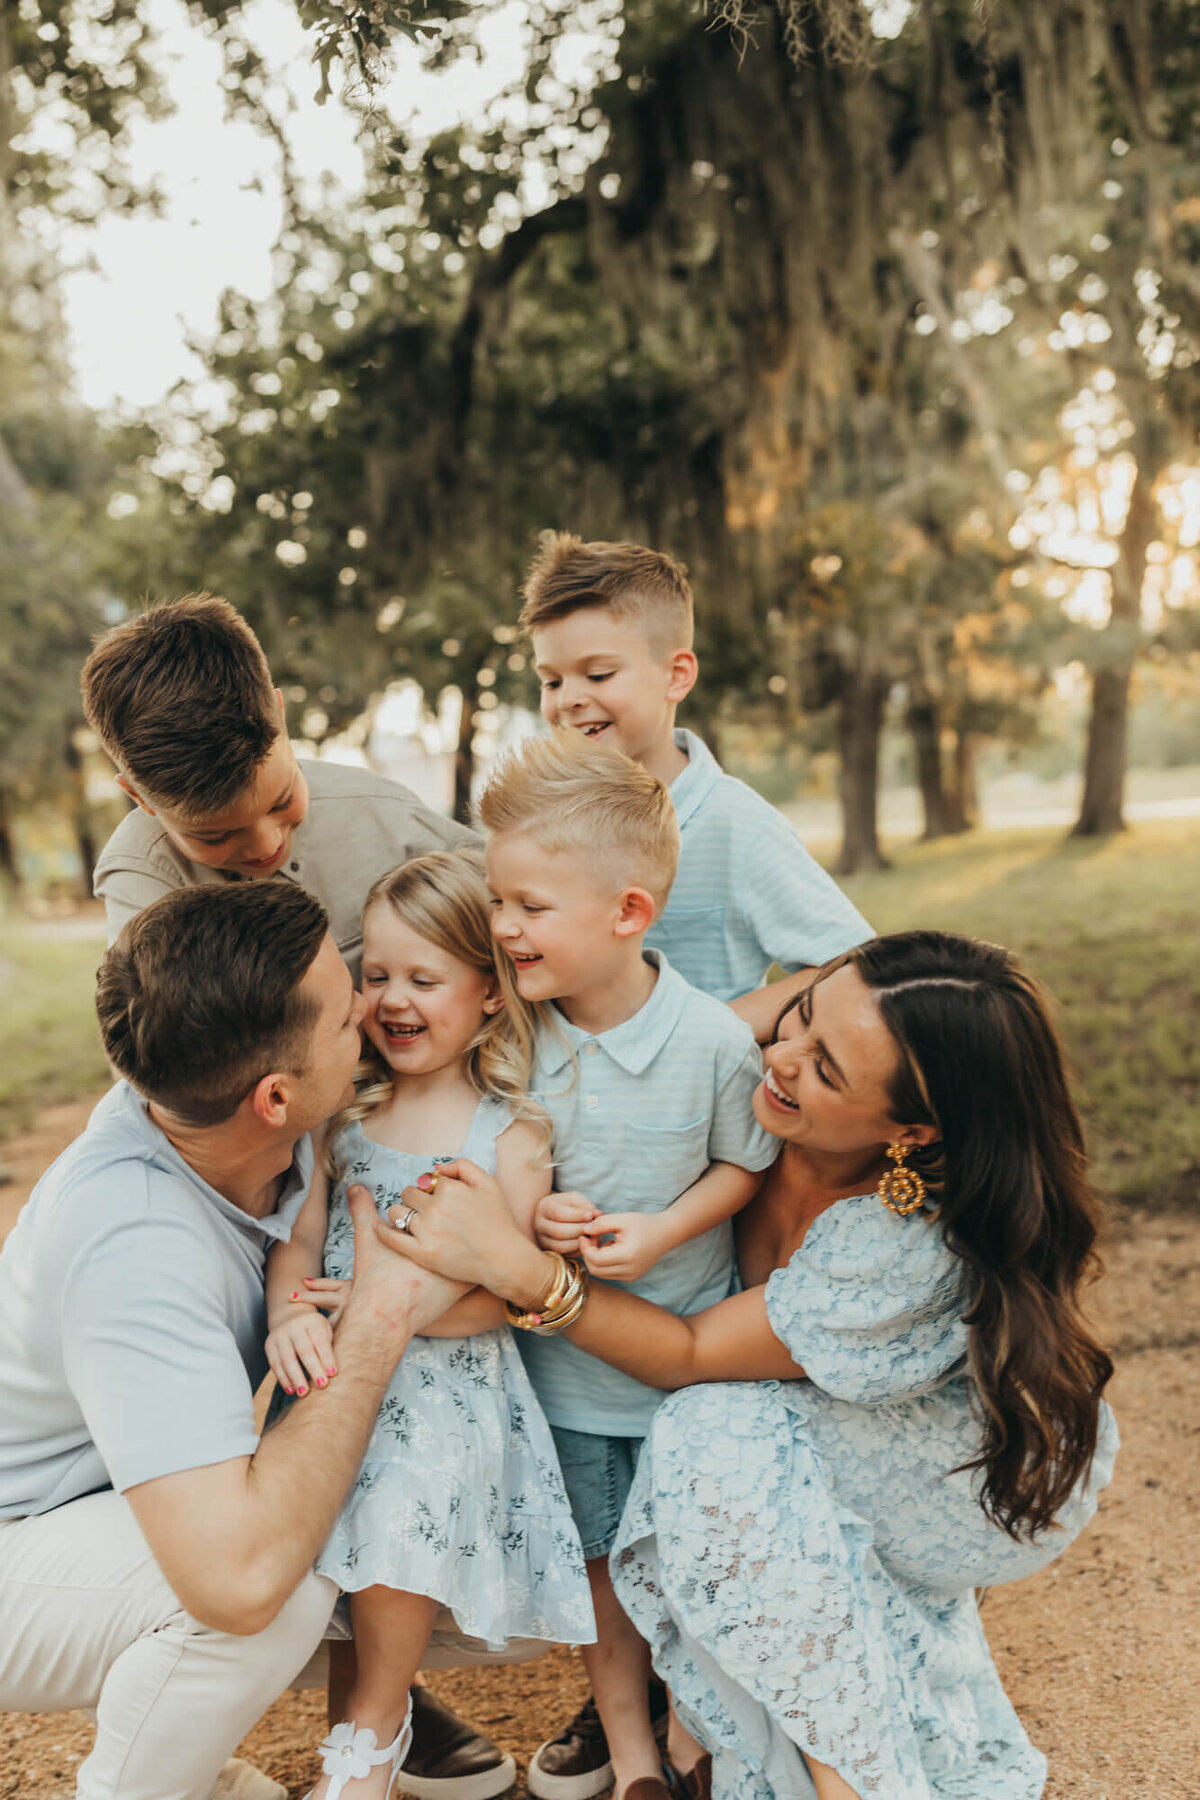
(459, 1495)
(801, 1556)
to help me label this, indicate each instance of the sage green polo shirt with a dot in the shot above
(358, 826)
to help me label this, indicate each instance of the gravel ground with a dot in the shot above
(1101, 1653)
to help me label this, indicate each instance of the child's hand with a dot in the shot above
(622, 1246)
(557, 1221)
(301, 1350)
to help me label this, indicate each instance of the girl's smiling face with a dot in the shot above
(424, 1006)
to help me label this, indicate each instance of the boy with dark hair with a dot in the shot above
(182, 700)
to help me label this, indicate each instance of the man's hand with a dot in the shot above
(622, 1246)
(559, 1219)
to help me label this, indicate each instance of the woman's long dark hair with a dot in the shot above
(981, 1061)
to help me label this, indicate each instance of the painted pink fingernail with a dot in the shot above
(331, 1372)
(320, 1381)
(302, 1391)
(288, 1390)
(294, 1296)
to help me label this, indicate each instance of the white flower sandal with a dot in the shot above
(349, 1754)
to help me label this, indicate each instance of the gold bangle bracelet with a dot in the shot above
(561, 1307)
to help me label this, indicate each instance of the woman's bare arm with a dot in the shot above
(466, 1230)
(524, 1176)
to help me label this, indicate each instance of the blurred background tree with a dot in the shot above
(890, 337)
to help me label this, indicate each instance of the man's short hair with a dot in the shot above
(570, 795)
(199, 996)
(182, 700)
(629, 581)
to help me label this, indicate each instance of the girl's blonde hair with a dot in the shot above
(444, 898)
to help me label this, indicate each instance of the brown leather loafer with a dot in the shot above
(697, 1783)
(648, 1789)
(450, 1759)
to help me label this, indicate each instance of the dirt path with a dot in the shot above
(1101, 1654)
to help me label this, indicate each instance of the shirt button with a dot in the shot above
(590, 1049)
(593, 1102)
(294, 867)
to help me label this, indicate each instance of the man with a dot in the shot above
(183, 701)
(155, 1557)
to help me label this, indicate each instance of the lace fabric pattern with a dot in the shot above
(802, 1558)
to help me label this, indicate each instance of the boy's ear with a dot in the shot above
(637, 912)
(127, 787)
(684, 670)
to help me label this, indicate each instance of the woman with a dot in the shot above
(917, 1408)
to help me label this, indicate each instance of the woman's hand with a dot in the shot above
(301, 1350)
(465, 1230)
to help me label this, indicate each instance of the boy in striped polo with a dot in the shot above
(611, 627)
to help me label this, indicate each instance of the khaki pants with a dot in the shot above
(87, 1620)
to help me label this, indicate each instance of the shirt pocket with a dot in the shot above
(693, 940)
(660, 1161)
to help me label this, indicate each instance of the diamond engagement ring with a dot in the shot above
(405, 1224)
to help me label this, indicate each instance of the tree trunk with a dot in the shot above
(860, 720)
(464, 756)
(81, 815)
(10, 873)
(925, 725)
(1102, 808)
(962, 798)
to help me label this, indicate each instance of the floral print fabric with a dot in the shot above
(459, 1495)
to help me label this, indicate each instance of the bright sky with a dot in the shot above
(155, 282)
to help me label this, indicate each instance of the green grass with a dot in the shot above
(1112, 928)
(49, 1047)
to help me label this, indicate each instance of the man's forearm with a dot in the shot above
(304, 1466)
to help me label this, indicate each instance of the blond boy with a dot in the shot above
(612, 628)
(648, 1086)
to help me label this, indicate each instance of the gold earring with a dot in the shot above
(901, 1190)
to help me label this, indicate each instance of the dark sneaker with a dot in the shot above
(449, 1759)
(575, 1765)
(697, 1783)
(648, 1789)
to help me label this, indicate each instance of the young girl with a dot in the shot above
(459, 1502)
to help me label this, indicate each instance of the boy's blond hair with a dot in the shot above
(572, 796)
(628, 580)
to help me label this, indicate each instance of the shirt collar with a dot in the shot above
(296, 1182)
(634, 1044)
(692, 786)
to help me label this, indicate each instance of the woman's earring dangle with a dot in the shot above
(901, 1189)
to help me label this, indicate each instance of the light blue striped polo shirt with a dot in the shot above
(639, 1112)
(747, 893)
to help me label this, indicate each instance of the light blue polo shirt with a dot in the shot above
(639, 1113)
(132, 1315)
(747, 893)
